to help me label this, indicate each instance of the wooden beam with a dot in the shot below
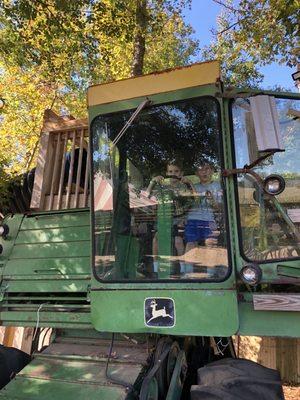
(276, 302)
(9, 336)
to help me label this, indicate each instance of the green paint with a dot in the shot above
(58, 266)
(293, 272)
(74, 368)
(267, 323)
(177, 380)
(198, 312)
(183, 94)
(164, 238)
(65, 234)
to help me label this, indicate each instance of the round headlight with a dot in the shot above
(274, 185)
(251, 274)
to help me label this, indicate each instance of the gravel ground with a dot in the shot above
(291, 392)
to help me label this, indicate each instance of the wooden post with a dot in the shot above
(267, 352)
(287, 354)
(9, 336)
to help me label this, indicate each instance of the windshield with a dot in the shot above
(269, 224)
(158, 200)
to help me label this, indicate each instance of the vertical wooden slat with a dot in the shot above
(287, 363)
(62, 172)
(27, 340)
(41, 172)
(86, 180)
(9, 336)
(267, 353)
(55, 170)
(79, 165)
(69, 188)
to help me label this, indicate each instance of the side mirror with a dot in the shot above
(266, 124)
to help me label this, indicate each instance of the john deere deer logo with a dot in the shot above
(159, 312)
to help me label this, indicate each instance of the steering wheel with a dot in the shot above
(175, 177)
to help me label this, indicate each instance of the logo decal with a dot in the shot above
(159, 312)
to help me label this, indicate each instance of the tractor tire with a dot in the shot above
(11, 362)
(237, 379)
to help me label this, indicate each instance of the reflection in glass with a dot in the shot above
(158, 201)
(269, 224)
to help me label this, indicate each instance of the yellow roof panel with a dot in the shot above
(158, 82)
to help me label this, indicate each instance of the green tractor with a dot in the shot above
(186, 234)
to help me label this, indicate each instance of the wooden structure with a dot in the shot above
(282, 354)
(62, 171)
(278, 353)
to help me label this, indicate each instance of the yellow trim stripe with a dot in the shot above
(146, 85)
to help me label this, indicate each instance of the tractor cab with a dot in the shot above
(194, 200)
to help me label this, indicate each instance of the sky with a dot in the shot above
(202, 17)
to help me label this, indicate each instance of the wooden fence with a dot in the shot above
(62, 171)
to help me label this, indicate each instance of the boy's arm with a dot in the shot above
(153, 182)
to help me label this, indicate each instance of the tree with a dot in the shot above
(252, 33)
(52, 50)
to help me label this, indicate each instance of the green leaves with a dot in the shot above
(252, 33)
(52, 50)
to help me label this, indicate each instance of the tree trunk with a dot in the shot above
(139, 38)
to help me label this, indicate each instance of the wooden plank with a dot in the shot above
(62, 173)
(276, 302)
(38, 187)
(82, 201)
(9, 336)
(298, 358)
(86, 181)
(267, 352)
(69, 187)
(27, 340)
(65, 126)
(287, 363)
(79, 166)
(55, 170)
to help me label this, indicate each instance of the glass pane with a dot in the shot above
(158, 200)
(269, 224)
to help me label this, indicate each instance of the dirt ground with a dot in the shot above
(291, 392)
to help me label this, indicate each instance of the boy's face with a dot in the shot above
(204, 172)
(174, 170)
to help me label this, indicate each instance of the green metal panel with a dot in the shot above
(50, 256)
(47, 250)
(56, 318)
(183, 94)
(13, 223)
(74, 368)
(164, 239)
(55, 266)
(65, 234)
(49, 284)
(56, 219)
(201, 308)
(267, 323)
(34, 388)
(198, 312)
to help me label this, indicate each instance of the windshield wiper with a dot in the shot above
(144, 104)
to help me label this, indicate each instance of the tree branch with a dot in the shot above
(232, 9)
